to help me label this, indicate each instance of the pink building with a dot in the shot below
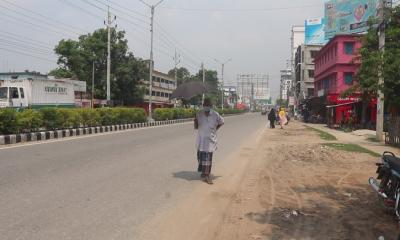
(335, 71)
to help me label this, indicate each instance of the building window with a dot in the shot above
(158, 94)
(349, 48)
(14, 92)
(153, 93)
(313, 54)
(311, 73)
(310, 92)
(21, 91)
(326, 83)
(348, 78)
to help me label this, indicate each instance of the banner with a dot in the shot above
(348, 16)
(314, 31)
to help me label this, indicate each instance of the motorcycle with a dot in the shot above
(387, 183)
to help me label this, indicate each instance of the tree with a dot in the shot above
(183, 74)
(75, 59)
(211, 79)
(372, 59)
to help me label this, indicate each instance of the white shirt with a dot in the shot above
(207, 131)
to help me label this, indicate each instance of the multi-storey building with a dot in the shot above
(304, 71)
(162, 88)
(335, 69)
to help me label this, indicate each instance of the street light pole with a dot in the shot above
(204, 80)
(151, 65)
(222, 80)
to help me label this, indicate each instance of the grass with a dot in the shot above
(351, 148)
(323, 135)
(372, 139)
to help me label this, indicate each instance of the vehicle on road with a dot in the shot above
(387, 183)
(27, 93)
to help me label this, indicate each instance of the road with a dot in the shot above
(104, 186)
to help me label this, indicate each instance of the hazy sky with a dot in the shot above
(254, 33)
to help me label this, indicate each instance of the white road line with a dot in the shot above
(87, 136)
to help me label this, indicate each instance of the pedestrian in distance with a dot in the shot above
(282, 117)
(207, 122)
(272, 118)
(287, 118)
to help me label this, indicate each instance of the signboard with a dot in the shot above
(348, 16)
(314, 31)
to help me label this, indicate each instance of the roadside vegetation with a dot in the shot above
(29, 120)
(351, 148)
(323, 135)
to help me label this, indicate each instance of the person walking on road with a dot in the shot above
(207, 122)
(272, 118)
(282, 117)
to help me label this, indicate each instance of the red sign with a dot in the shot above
(337, 99)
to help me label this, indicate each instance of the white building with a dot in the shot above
(286, 82)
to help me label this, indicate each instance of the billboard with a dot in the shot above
(314, 31)
(348, 16)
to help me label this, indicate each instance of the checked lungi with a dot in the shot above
(205, 162)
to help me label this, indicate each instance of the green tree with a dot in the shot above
(372, 59)
(182, 73)
(75, 59)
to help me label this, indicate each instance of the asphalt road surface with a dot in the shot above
(104, 186)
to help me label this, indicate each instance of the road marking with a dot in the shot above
(87, 136)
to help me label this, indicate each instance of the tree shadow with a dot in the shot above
(352, 213)
(191, 175)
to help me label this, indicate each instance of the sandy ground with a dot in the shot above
(281, 185)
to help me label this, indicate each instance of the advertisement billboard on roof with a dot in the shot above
(314, 31)
(348, 16)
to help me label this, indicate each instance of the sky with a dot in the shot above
(255, 34)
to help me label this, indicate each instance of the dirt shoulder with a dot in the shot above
(282, 185)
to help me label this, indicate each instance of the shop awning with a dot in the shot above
(342, 104)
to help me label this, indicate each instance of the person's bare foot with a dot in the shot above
(208, 180)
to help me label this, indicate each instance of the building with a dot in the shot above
(23, 75)
(297, 38)
(335, 70)
(304, 71)
(163, 86)
(286, 83)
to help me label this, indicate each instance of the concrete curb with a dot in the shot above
(58, 134)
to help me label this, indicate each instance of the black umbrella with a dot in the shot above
(188, 90)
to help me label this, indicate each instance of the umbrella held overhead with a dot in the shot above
(188, 90)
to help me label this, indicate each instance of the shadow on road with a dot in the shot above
(191, 175)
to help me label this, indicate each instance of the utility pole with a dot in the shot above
(204, 80)
(151, 65)
(109, 22)
(222, 80)
(385, 4)
(93, 85)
